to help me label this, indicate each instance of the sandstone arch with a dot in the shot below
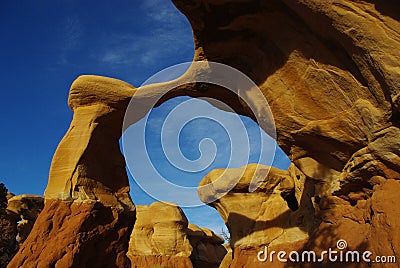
(329, 70)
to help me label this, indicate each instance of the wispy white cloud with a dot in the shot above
(161, 10)
(165, 34)
(72, 31)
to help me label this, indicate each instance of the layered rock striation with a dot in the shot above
(329, 71)
(208, 248)
(159, 237)
(88, 214)
(163, 237)
(278, 214)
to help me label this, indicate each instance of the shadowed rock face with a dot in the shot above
(17, 217)
(329, 70)
(279, 213)
(208, 250)
(262, 216)
(27, 206)
(162, 237)
(24, 208)
(76, 234)
(8, 227)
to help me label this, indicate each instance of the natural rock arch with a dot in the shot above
(329, 70)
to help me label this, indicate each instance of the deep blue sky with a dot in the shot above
(45, 45)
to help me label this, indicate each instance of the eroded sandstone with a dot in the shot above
(88, 214)
(88, 164)
(208, 249)
(279, 213)
(76, 234)
(163, 237)
(329, 70)
(24, 208)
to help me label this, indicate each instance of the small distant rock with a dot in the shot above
(162, 236)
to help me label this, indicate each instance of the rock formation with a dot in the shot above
(159, 237)
(331, 64)
(24, 208)
(162, 236)
(208, 250)
(88, 208)
(279, 213)
(8, 229)
(88, 164)
(329, 70)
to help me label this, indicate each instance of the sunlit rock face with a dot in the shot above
(88, 208)
(329, 70)
(162, 236)
(160, 230)
(279, 213)
(88, 164)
